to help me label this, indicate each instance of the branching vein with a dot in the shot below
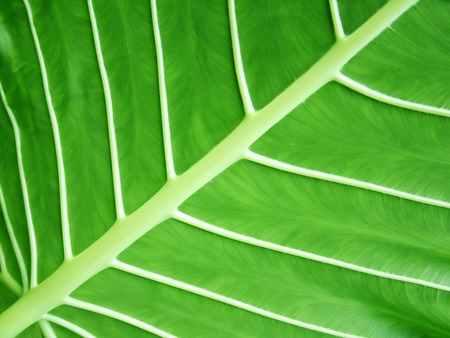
(251, 156)
(360, 88)
(120, 212)
(10, 283)
(245, 95)
(32, 237)
(170, 168)
(68, 325)
(15, 244)
(116, 315)
(299, 253)
(46, 329)
(337, 23)
(230, 301)
(57, 140)
(6, 278)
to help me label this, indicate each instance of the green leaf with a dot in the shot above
(212, 168)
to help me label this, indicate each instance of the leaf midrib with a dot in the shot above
(74, 272)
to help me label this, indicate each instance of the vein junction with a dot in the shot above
(74, 272)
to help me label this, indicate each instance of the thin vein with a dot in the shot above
(299, 253)
(360, 88)
(57, 140)
(31, 234)
(251, 156)
(246, 99)
(3, 267)
(47, 329)
(120, 211)
(6, 278)
(116, 315)
(68, 325)
(168, 153)
(230, 301)
(15, 244)
(337, 23)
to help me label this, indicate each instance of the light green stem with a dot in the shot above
(74, 272)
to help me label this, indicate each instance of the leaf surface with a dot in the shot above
(185, 168)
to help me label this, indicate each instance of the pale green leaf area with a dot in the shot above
(221, 168)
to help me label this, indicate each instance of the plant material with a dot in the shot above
(203, 168)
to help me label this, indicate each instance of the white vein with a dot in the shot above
(299, 253)
(46, 329)
(116, 315)
(360, 88)
(120, 211)
(251, 156)
(230, 301)
(57, 140)
(248, 105)
(15, 244)
(32, 237)
(5, 276)
(68, 325)
(337, 23)
(170, 168)
(2, 260)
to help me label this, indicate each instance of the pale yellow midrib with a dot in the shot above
(74, 272)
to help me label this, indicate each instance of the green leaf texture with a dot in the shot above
(188, 168)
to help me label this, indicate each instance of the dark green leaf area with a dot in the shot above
(33, 331)
(7, 298)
